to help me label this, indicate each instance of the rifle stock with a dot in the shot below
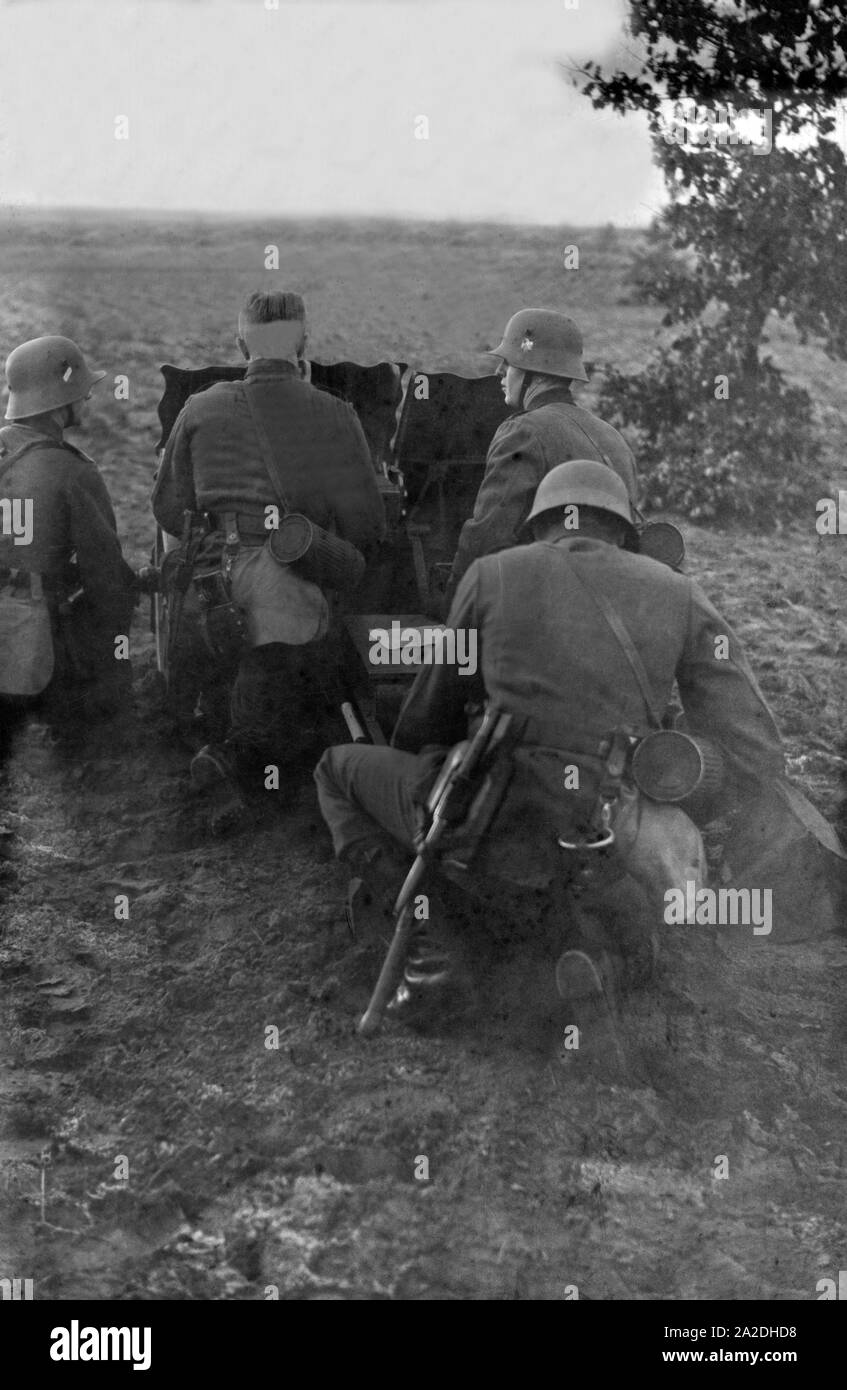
(450, 809)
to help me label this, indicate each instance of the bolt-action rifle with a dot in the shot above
(466, 794)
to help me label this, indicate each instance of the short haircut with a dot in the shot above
(271, 306)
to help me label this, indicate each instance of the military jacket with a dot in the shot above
(545, 652)
(552, 430)
(72, 519)
(213, 460)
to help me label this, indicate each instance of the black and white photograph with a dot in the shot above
(423, 626)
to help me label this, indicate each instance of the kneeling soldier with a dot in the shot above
(579, 639)
(244, 454)
(73, 553)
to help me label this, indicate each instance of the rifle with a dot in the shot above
(469, 788)
(180, 579)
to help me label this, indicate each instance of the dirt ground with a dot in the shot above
(153, 1145)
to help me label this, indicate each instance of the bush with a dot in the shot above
(657, 272)
(754, 457)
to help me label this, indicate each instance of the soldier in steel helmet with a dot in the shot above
(548, 655)
(74, 550)
(540, 356)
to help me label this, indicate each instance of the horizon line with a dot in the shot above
(9, 210)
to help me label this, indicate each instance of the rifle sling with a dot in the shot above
(268, 457)
(625, 642)
(7, 461)
(604, 458)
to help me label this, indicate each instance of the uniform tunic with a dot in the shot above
(74, 544)
(213, 462)
(551, 430)
(72, 515)
(546, 653)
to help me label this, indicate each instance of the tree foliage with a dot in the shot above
(752, 456)
(746, 232)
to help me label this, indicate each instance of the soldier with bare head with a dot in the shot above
(244, 455)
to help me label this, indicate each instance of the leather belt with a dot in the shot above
(250, 525)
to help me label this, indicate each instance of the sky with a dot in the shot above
(311, 108)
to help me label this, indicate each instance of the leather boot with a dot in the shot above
(586, 983)
(214, 774)
(377, 870)
(435, 989)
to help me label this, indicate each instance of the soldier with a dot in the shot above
(73, 549)
(215, 463)
(540, 355)
(547, 653)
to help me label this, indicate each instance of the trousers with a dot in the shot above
(269, 706)
(368, 792)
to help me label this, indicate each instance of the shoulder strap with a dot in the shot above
(268, 456)
(592, 441)
(639, 516)
(615, 622)
(6, 460)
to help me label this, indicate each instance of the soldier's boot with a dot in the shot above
(436, 989)
(590, 974)
(214, 774)
(376, 872)
(212, 766)
(586, 977)
(586, 984)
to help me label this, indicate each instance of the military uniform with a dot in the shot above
(546, 654)
(551, 430)
(213, 463)
(542, 350)
(74, 546)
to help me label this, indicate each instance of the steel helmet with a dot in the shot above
(46, 373)
(582, 483)
(542, 340)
